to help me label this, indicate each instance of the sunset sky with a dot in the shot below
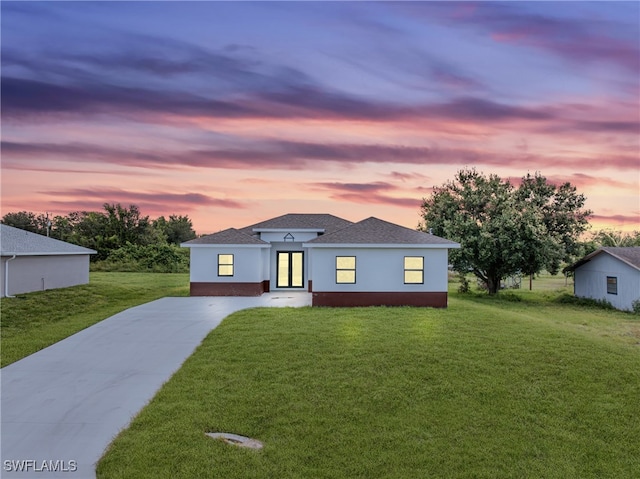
(232, 113)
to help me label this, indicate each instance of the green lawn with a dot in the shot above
(519, 386)
(30, 322)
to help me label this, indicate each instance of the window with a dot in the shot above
(413, 270)
(225, 265)
(345, 269)
(612, 285)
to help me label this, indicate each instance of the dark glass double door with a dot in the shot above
(290, 272)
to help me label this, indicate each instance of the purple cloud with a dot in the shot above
(569, 38)
(298, 155)
(181, 201)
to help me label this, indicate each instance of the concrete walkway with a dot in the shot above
(62, 406)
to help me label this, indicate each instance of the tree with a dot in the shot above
(28, 221)
(616, 238)
(177, 230)
(126, 224)
(505, 230)
(24, 220)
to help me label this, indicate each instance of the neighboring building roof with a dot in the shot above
(229, 236)
(629, 255)
(298, 221)
(25, 243)
(376, 231)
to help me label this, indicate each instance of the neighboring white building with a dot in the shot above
(611, 274)
(372, 262)
(32, 262)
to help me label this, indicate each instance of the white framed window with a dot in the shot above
(345, 269)
(414, 270)
(225, 265)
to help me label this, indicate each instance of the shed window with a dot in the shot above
(225, 265)
(413, 269)
(612, 285)
(345, 269)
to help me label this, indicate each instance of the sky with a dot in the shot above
(236, 112)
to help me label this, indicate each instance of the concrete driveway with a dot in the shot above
(62, 406)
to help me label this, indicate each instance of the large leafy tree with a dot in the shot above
(615, 238)
(504, 230)
(27, 220)
(176, 230)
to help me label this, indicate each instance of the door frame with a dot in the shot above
(290, 272)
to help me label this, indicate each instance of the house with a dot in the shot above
(611, 274)
(371, 262)
(32, 262)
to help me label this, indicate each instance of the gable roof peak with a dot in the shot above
(292, 221)
(627, 254)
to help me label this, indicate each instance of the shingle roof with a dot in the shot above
(376, 231)
(328, 223)
(25, 243)
(629, 255)
(228, 236)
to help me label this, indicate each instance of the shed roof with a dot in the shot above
(629, 255)
(25, 243)
(296, 221)
(376, 231)
(229, 236)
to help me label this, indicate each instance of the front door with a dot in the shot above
(290, 269)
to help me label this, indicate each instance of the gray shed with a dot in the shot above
(610, 274)
(33, 262)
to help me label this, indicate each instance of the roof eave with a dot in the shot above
(284, 230)
(592, 255)
(624, 260)
(223, 245)
(48, 253)
(382, 245)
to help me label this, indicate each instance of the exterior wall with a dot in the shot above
(278, 237)
(266, 266)
(38, 273)
(248, 272)
(430, 299)
(591, 281)
(227, 289)
(379, 269)
(379, 278)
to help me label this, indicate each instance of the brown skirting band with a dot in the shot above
(228, 289)
(346, 299)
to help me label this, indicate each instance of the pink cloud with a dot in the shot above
(154, 200)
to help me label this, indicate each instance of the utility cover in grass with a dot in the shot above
(236, 440)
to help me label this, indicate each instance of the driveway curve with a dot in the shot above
(62, 406)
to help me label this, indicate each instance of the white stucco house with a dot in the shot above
(371, 262)
(32, 262)
(611, 274)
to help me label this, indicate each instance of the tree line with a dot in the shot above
(123, 238)
(504, 230)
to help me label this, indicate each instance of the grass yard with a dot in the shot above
(30, 322)
(519, 386)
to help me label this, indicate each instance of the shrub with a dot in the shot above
(156, 258)
(594, 303)
(464, 287)
(635, 305)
